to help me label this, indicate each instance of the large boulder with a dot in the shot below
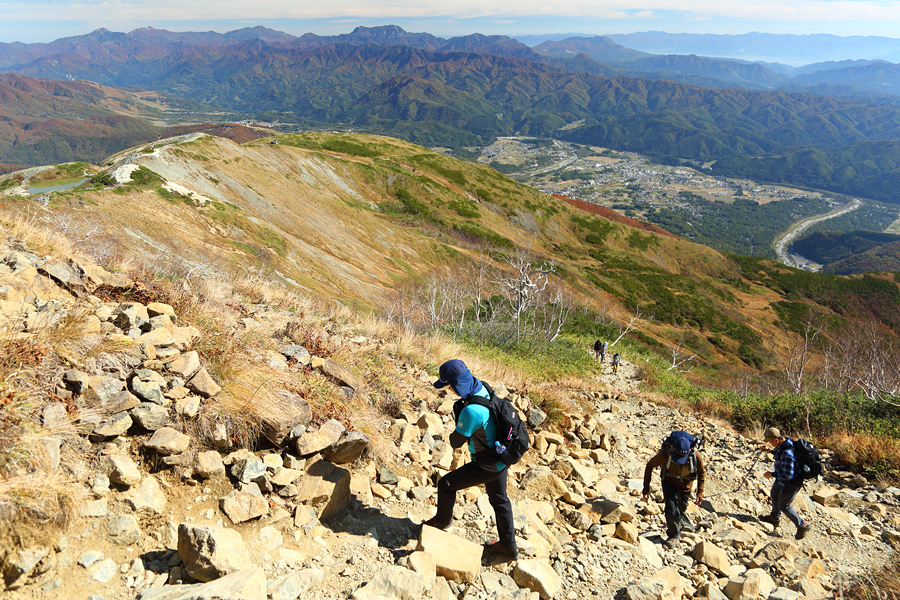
(455, 558)
(542, 481)
(122, 470)
(286, 413)
(147, 496)
(316, 441)
(168, 441)
(326, 488)
(241, 506)
(394, 582)
(713, 557)
(539, 576)
(246, 584)
(348, 448)
(209, 553)
(341, 374)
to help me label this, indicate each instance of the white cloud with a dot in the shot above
(193, 10)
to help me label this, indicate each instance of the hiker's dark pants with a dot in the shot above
(494, 484)
(676, 502)
(782, 496)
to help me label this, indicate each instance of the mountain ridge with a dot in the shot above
(474, 96)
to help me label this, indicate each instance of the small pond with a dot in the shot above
(39, 189)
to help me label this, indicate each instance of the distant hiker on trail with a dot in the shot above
(616, 361)
(603, 348)
(787, 482)
(681, 464)
(598, 346)
(476, 425)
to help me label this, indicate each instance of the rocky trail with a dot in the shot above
(319, 511)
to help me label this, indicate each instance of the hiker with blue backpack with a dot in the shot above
(681, 465)
(496, 438)
(795, 461)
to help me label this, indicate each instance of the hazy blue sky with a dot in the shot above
(46, 20)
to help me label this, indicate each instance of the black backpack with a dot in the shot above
(808, 461)
(511, 430)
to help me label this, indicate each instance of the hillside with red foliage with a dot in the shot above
(608, 213)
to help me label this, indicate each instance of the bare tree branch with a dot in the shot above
(681, 360)
(636, 322)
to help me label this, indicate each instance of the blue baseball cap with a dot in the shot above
(679, 450)
(456, 373)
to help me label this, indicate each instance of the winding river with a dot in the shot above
(782, 244)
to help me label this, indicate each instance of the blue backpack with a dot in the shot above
(690, 473)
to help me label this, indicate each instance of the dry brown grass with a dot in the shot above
(243, 405)
(866, 453)
(713, 408)
(372, 326)
(31, 487)
(883, 585)
(26, 231)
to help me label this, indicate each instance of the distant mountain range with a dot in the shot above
(793, 49)
(466, 90)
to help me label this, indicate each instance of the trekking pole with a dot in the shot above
(743, 480)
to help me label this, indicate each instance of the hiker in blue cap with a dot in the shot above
(475, 425)
(681, 464)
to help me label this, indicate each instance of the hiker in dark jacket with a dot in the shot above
(475, 425)
(681, 464)
(785, 486)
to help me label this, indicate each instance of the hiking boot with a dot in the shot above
(672, 542)
(770, 519)
(433, 522)
(496, 549)
(801, 532)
